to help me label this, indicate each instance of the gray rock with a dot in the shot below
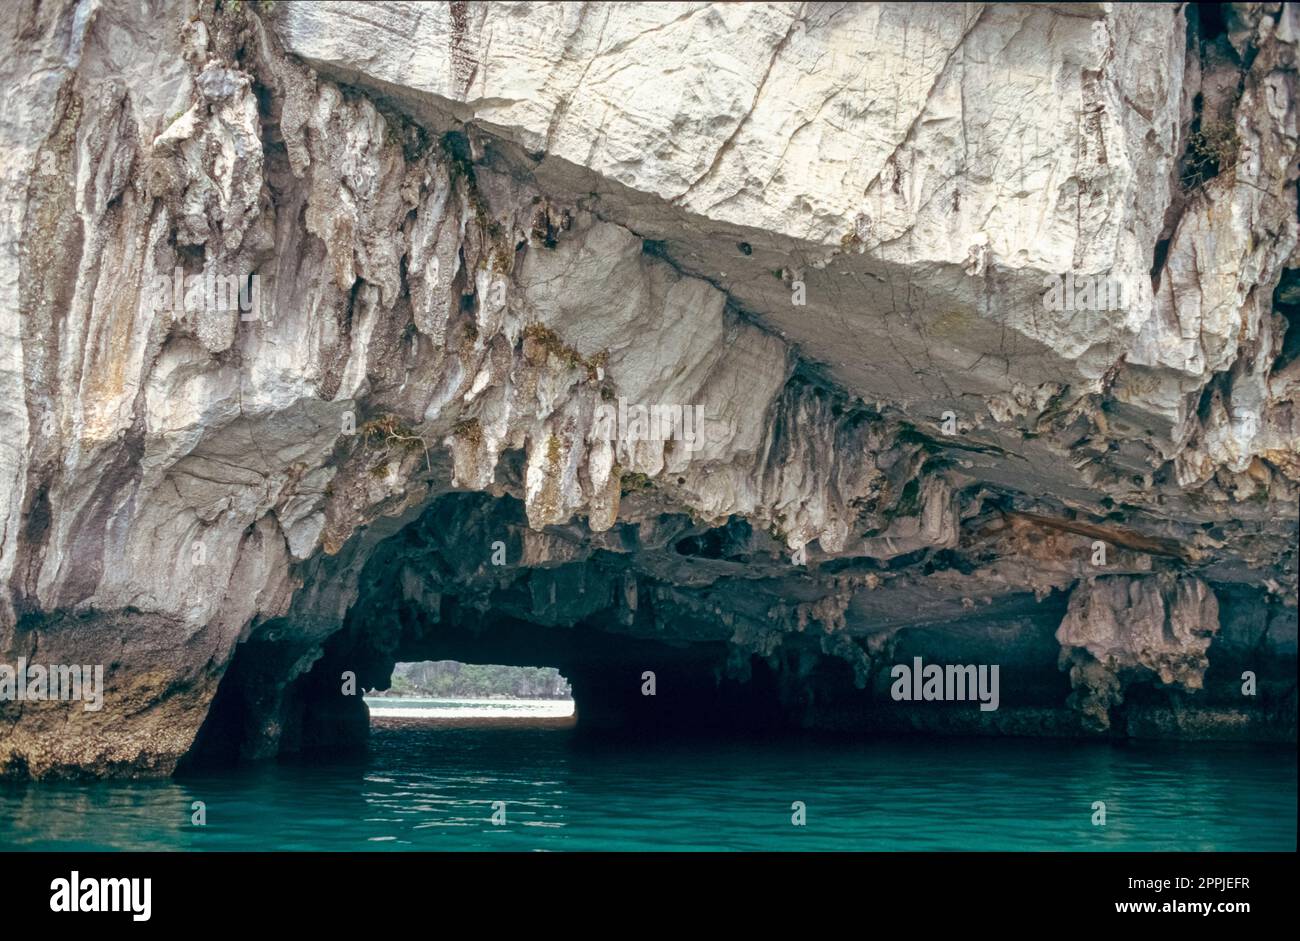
(305, 307)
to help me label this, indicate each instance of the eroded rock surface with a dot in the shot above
(822, 238)
(1157, 626)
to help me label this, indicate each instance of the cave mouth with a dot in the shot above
(659, 629)
(464, 580)
(452, 694)
(650, 625)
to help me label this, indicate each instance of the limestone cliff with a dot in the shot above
(763, 344)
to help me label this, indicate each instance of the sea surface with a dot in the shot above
(423, 788)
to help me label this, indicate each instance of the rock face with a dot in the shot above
(1158, 626)
(758, 347)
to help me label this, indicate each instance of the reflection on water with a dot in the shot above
(433, 789)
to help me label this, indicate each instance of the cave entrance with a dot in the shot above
(465, 581)
(452, 694)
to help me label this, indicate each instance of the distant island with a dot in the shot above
(449, 679)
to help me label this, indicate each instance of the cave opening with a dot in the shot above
(452, 694)
(463, 584)
(658, 629)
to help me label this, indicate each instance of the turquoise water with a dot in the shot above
(431, 789)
